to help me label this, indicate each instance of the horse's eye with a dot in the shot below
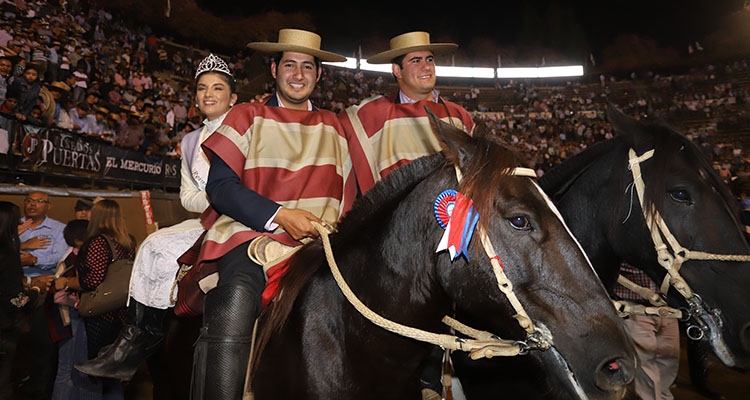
(680, 195)
(520, 222)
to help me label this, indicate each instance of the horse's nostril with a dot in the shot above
(615, 374)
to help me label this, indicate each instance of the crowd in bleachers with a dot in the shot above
(129, 87)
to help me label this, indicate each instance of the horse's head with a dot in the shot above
(695, 229)
(524, 276)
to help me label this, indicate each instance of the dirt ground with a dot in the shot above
(732, 384)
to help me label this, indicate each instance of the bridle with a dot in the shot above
(671, 255)
(481, 343)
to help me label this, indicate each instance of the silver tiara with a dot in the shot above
(214, 64)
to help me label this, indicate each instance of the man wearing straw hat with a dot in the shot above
(275, 167)
(386, 132)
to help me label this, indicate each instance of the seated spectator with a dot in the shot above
(78, 115)
(27, 86)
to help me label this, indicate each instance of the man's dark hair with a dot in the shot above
(277, 60)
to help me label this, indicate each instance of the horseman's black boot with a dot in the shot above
(220, 358)
(139, 337)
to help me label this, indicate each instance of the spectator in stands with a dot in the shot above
(42, 247)
(78, 114)
(53, 61)
(35, 117)
(60, 117)
(96, 122)
(251, 210)
(91, 267)
(39, 52)
(6, 67)
(133, 132)
(63, 69)
(156, 262)
(115, 95)
(27, 86)
(13, 298)
(81, 82)
(10, 104)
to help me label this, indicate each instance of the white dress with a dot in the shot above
(155, 265)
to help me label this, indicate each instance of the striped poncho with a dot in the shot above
(298, 159)
(384, 135)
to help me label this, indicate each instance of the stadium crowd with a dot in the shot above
(98, 77)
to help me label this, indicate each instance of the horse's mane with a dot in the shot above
(557, 180)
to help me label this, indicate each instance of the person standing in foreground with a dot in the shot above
(275, 168)
(12, 297)
(42, 247)
(656, 339)
(106, 224)
(155, 263)
(387, 132)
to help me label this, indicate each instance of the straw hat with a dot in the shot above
(7, 52)
(62, 86)
(408, 42)
(298, 41)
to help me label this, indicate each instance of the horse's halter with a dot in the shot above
(483, 344)
(671, 255)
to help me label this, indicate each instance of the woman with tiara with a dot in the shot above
(156, 264)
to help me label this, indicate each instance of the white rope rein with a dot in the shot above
(670, 261)
(483, 344)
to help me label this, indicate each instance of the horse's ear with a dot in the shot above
(457, 144)
(627, 127)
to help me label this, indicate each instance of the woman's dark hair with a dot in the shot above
(10, 214)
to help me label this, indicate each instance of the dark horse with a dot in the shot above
(702, 238)
(597, 194)
(313, 344)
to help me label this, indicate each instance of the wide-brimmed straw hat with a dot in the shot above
(62, 86)
(7, 52)
(408, 42)
(299, 41)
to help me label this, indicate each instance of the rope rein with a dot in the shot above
(670, 261)
(482, 344)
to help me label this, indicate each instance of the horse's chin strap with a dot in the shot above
(671, 260)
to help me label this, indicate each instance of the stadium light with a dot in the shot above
(473, 72)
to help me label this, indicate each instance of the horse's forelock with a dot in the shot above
(485, 175)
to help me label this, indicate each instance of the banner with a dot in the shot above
(125, 164)
(55, 151)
